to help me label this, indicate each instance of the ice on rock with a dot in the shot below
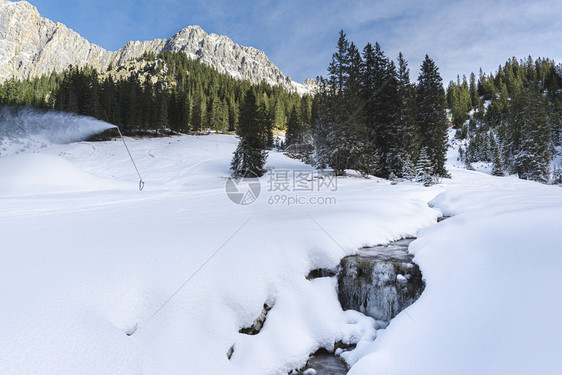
(381, 281)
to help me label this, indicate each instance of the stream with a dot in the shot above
(380, 282)
(326, 363)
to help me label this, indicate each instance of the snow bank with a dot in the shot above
(492, 301)
(26, 174)
(81, 272)
(86, 279)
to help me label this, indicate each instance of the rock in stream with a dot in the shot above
(381, 281)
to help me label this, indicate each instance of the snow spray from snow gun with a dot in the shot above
(141, 182)
(31, 126)
(27, 129)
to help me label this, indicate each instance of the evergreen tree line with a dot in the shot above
(369, 116)
(517, 117)
(191, 97)
(255, 137)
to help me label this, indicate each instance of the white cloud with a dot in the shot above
(461, 36)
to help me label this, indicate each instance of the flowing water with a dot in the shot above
(327, 364)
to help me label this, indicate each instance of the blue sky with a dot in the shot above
(299, 36)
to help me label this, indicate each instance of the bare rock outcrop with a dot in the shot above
(31, 45)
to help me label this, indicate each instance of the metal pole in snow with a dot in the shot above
(141, 182)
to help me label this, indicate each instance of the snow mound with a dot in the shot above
(492, 299)
(162, 282)
(26, 174)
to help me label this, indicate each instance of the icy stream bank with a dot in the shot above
(379, 282)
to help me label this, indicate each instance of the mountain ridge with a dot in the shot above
(32, 45)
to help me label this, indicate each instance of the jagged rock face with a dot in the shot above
(380, 281)
(225, 55)
(31, 45)
(132, 50)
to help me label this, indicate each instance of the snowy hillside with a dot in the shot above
(99, 278)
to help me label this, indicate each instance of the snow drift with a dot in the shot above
(43, 173)
(85, 278)
(493, 287)
(97, 267)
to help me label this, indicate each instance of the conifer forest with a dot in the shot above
(366, 115)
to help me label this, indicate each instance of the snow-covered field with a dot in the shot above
(99, 278)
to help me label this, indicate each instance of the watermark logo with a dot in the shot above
(286, 187)
(243, 190)
(284, 180)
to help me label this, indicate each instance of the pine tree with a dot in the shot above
(468, 164)
(219, 115)
(407, 111)
(533, 160)
(352, 70)
(391, 137)
(375, 77)
(338, 66)
(424, 168)
(199, 113)
(555, 119)
(306, 115)
(266, 123)
(556, 176)
(233, 113)
(162, 111)
(184, 107)
(340, 135)
(408, 169)
(474, 97)
(431, 118)
(356, 144)
(294, 128)
(279, 115)
(250, 155)
(497, 169)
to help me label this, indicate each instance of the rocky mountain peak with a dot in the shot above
(31, 45)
